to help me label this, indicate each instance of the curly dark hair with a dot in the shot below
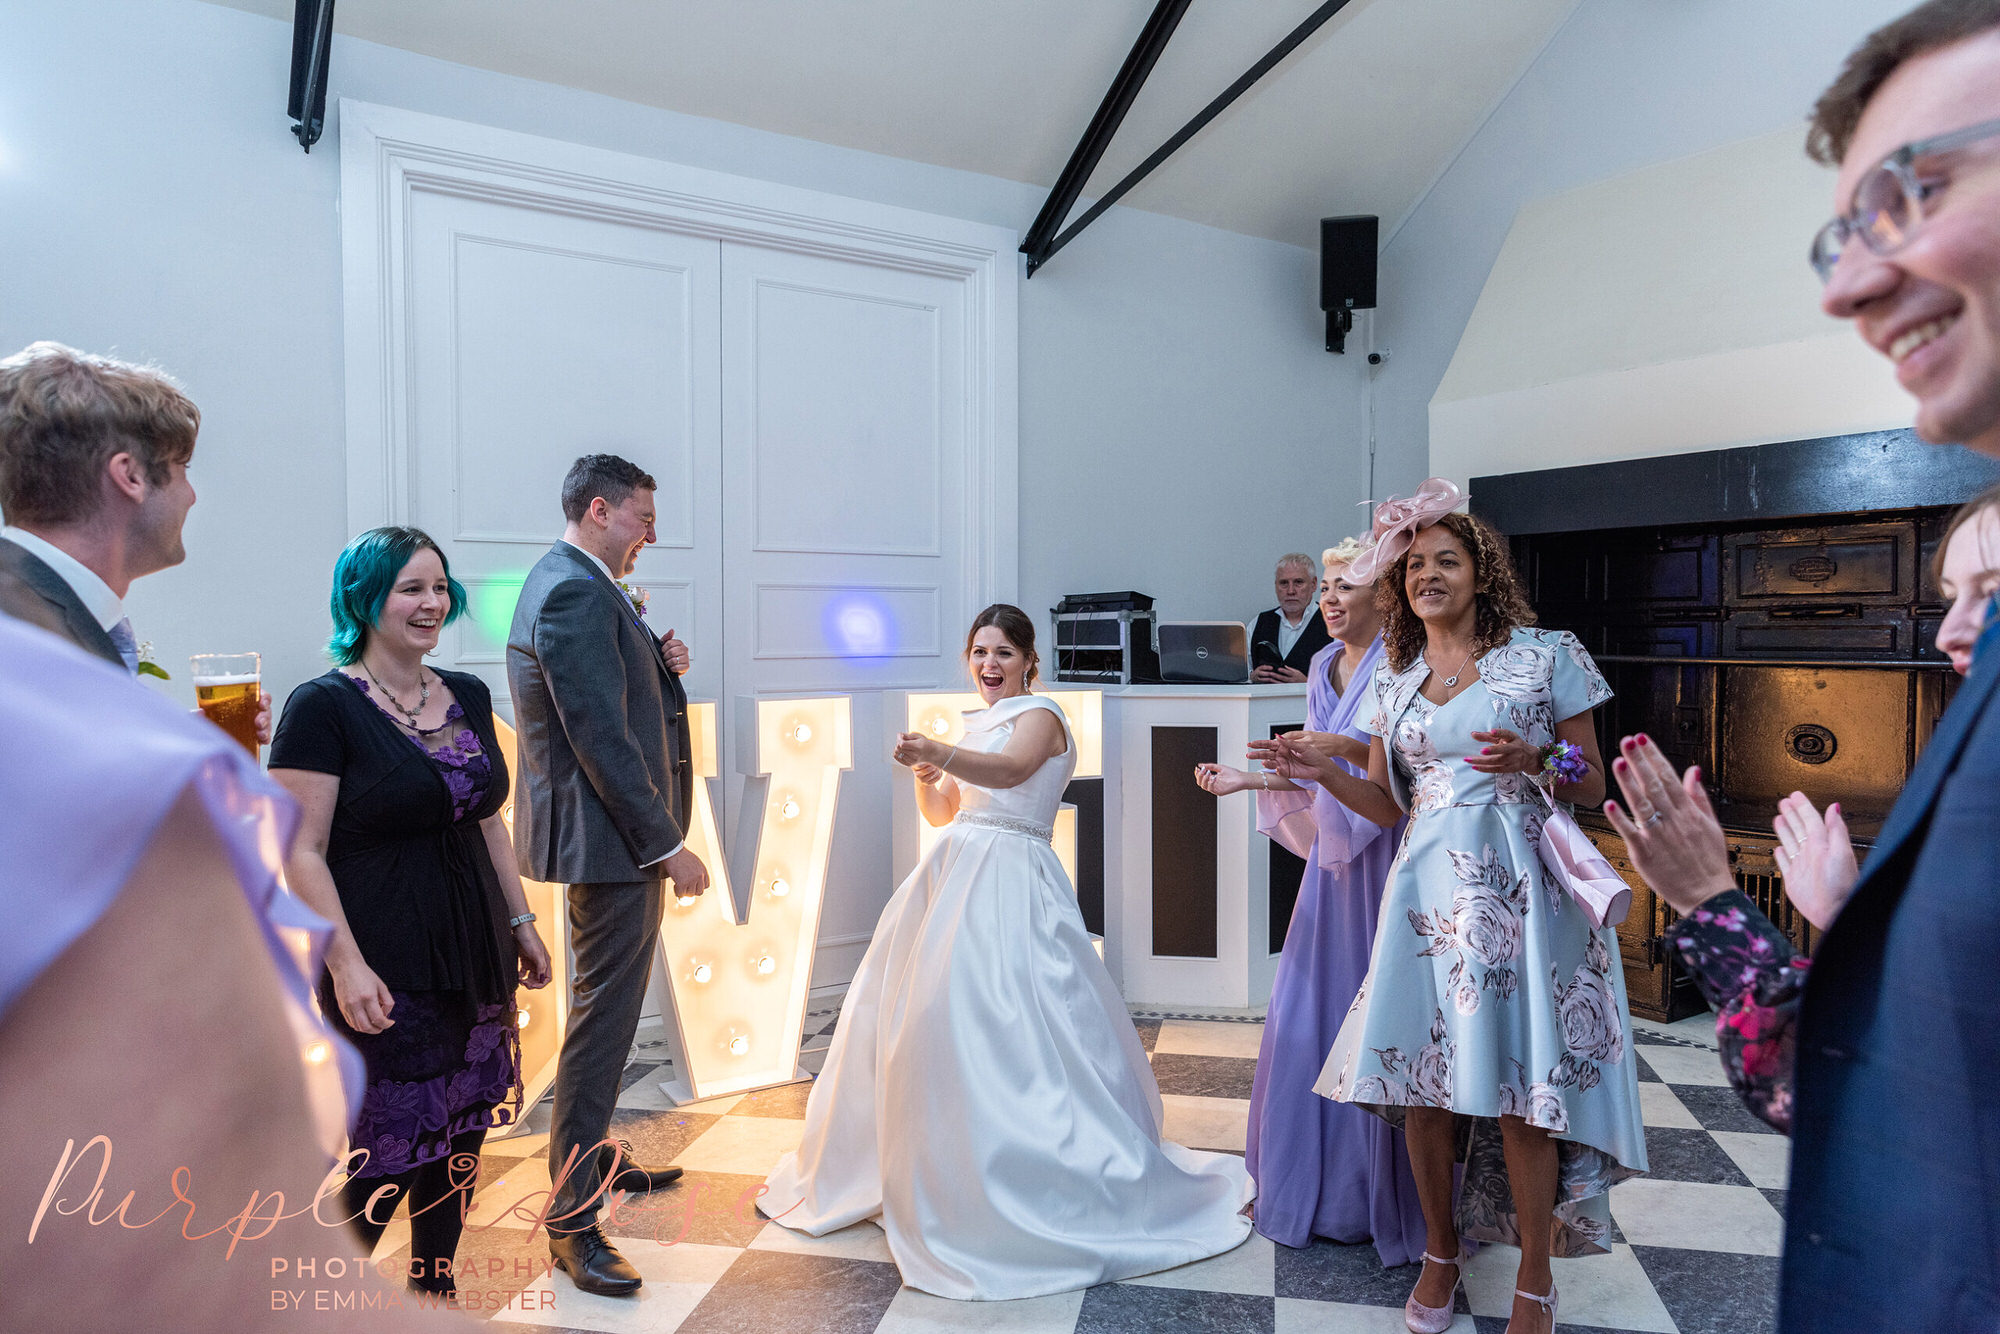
(1497, 593)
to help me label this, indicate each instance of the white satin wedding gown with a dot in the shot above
(986, 1098)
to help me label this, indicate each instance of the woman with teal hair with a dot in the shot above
(401, 782)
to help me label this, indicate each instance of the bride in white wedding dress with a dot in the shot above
(986, 1098)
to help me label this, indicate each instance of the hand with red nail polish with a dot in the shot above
(1670, 830)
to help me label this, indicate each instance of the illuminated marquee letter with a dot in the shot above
(739, 979)
(541, 1014)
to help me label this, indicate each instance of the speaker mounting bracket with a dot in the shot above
(1339, 323)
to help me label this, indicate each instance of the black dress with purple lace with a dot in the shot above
(422, 900)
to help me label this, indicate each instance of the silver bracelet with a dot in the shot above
(523, 919)
(945, 768)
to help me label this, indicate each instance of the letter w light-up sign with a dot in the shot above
(738, 966)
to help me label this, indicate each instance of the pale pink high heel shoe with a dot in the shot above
(1434, 1319)
(1547, 1303)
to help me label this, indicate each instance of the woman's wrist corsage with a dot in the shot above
(1562, 762)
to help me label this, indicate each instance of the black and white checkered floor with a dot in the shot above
(1695, 1250)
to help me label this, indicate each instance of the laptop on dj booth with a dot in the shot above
(1213, 653)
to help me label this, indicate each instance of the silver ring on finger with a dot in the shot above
(1654, 819)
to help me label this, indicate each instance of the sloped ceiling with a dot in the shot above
(1361, 119)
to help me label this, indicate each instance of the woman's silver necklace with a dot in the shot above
(423, 698)
(1451, 682)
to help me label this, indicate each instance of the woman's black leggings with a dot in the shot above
(437, 1209)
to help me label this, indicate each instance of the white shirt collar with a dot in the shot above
(598, 561)
(95, 595)
(1299, 624)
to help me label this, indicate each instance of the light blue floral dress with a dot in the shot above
(1489, 992)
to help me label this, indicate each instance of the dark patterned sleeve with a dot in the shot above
(1753, 979)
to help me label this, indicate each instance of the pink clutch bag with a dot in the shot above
(1575, 861)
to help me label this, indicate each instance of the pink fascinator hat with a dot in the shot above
(1397, 523)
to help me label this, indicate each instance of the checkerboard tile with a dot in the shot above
(1694, 1249)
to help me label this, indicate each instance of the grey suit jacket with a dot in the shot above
(605, 783)
(32, 592)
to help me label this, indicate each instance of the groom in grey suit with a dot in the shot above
(602, 797)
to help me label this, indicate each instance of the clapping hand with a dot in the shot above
(1816, 858)
(675, 652)
(1505, 753)
(263, 717)
(1219, 779)
(1290, 757)
(913, 750)
(1335, 745)
(928, 774)
(1671, 834)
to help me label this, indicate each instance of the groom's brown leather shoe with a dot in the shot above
(631, 1176)
(592, 1263)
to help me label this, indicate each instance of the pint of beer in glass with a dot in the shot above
(226, 688)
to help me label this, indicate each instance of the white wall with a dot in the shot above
(1616, 367)
(1616, 325)
(1180, 425)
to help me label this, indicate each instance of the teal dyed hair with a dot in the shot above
(362, 578)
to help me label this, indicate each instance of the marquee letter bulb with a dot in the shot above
(780, 888)
(802, 734)
(766, 964)
(790, 810)
(738, 1046)
(702, 972)
(939, 726)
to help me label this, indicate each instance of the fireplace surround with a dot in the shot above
(1765, 612)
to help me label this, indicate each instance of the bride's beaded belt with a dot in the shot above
(980, 820)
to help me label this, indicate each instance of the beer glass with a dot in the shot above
(226, 686)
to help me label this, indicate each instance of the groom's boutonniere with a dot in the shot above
(636, 596)
(147, 667)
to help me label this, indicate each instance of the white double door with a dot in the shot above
(805, 416)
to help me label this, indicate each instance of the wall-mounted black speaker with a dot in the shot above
(1347, 262)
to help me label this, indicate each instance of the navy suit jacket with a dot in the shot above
(1893, 1220)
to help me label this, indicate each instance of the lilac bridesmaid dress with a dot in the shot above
(1324, 1168)
(91, 762)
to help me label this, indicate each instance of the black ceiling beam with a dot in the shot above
(1038, 255)
(1110, 115)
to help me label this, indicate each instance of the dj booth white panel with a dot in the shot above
(1187, 877)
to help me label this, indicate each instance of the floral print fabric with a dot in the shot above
(461, 761)
(445, 1066)
(1754, 980)
(1489, 993)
